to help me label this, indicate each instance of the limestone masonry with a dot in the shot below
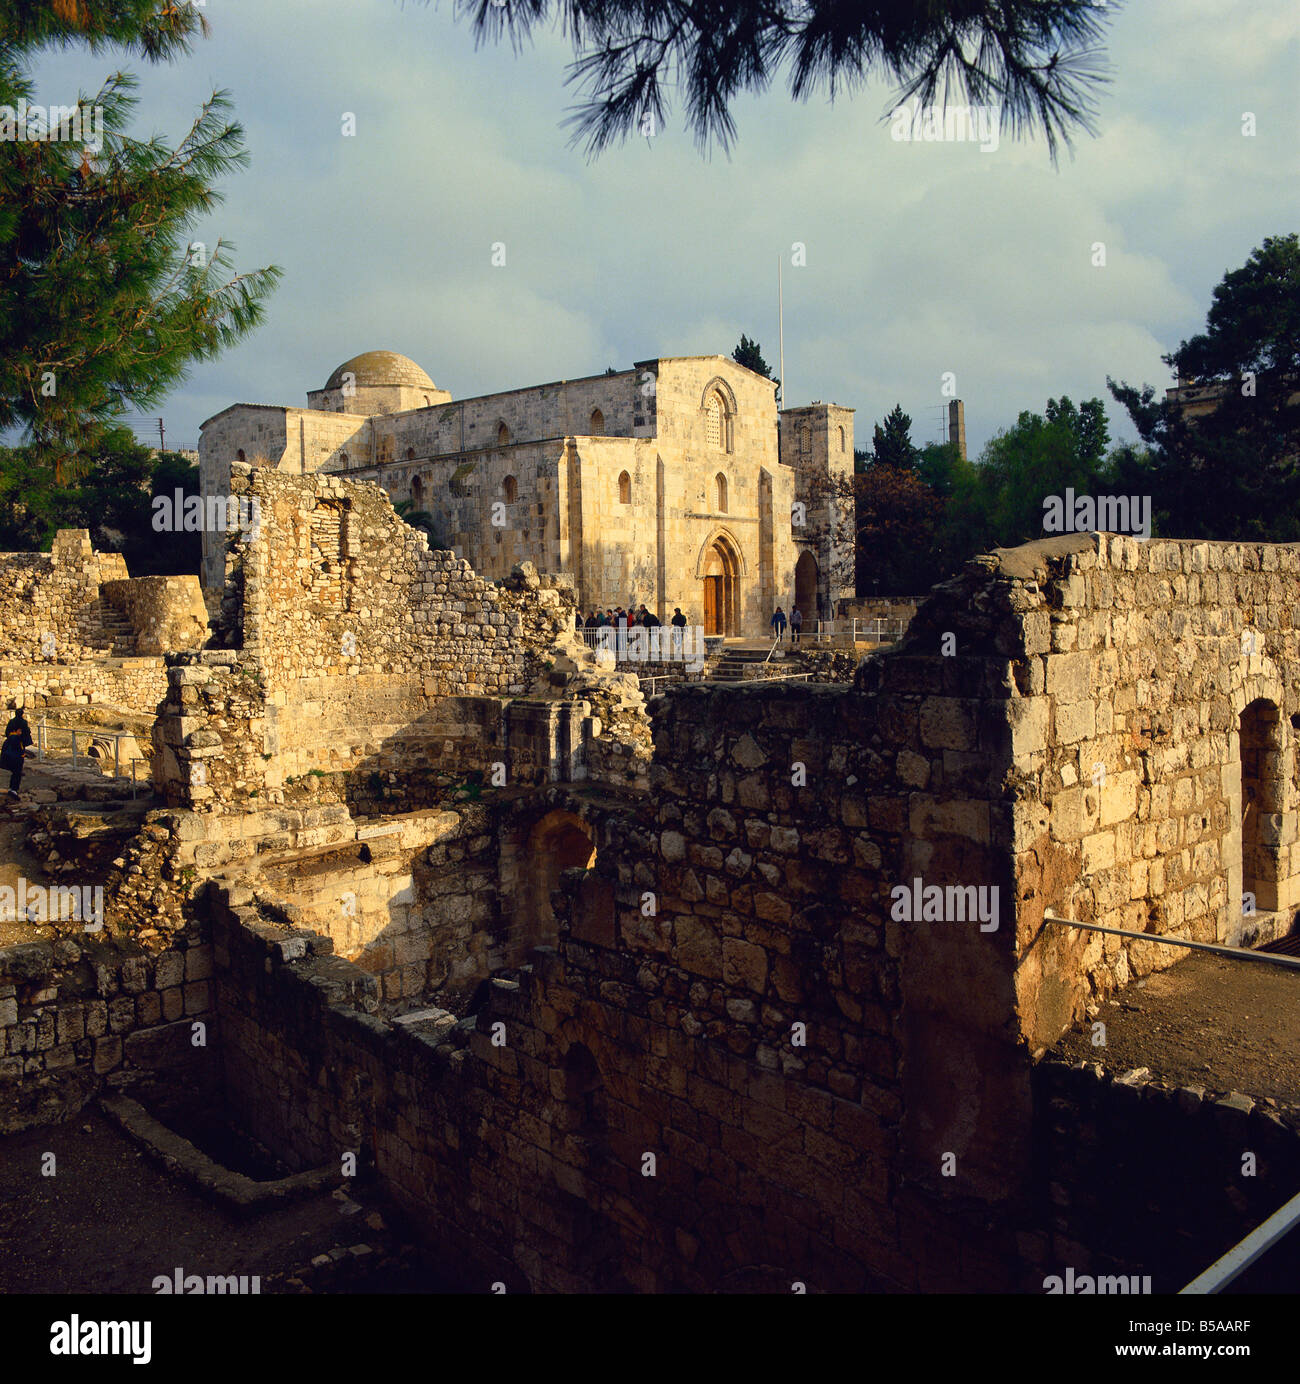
(675, 483)
(732, 988)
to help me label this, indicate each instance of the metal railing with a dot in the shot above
(88, 738)
(880, 630)
(1241, 1256)
(1232, 953)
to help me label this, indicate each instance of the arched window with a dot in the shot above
(713, 421)
(239, 456)
(597, 423)
(717, 421)
(417, 492)
(841, 439)
(503, 436)
(410, 454)
(721, 481)
(343, 458)
(509, 488)
(625, 489)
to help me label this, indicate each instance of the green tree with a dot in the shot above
(750, 356)
(998, 502)
(1233, 470)
(898, 519)
(114, 500)
(106, 302)
(1038, 59)
(891, 445)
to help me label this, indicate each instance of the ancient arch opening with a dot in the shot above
(805, 586)
(597, 423)
(509, 489)
(1263, 802)
(625, 489)
(560, 841)
(720, 481)
(417, 492)
(503, 436)
(721, 588)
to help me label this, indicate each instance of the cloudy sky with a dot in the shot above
(921, 258)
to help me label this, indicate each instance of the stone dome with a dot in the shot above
(378, 368)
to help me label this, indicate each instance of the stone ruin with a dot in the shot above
(746, 987)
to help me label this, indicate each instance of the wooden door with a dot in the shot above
(712, 605)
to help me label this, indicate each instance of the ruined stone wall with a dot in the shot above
(133, 684)
(1116, 1209)
(166, 613)
(768, 908)
(1132, 664)
(413, 901)
(46, 599)
(79, 1013)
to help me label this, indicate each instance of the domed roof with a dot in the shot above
(380, 368)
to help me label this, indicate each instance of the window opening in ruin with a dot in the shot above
(583, 1092)
(1262, 803)
(410, 454)
(841, 439)
(721, 482)
(417, 492)
(597, 422)
(625, 489)
(560, 841)
(509, 488)
(503, 436)
(239, 456)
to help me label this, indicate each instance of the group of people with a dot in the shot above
(631, 616)
(639, 615)
(795, 622)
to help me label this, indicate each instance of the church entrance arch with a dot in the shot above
(720, 572)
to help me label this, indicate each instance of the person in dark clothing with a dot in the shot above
(18, 736)
(678, 618)
(778, 623)
(593, 621)
(796, 624)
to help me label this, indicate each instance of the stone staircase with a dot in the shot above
(745, 665)
(105, 628)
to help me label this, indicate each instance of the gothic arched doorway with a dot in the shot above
(721, 606)
(805, 588)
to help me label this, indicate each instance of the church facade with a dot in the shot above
(674, 484)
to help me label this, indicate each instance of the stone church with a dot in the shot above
(675, 483)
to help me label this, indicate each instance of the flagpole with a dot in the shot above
(780, 318)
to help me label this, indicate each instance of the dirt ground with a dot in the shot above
(1207, 1021)
(110, 1221)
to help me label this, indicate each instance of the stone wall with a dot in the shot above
(755, 1055)
(166, 613)
(82, 1012)
(47, 599)
(1116, 1208)
(133, 684)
